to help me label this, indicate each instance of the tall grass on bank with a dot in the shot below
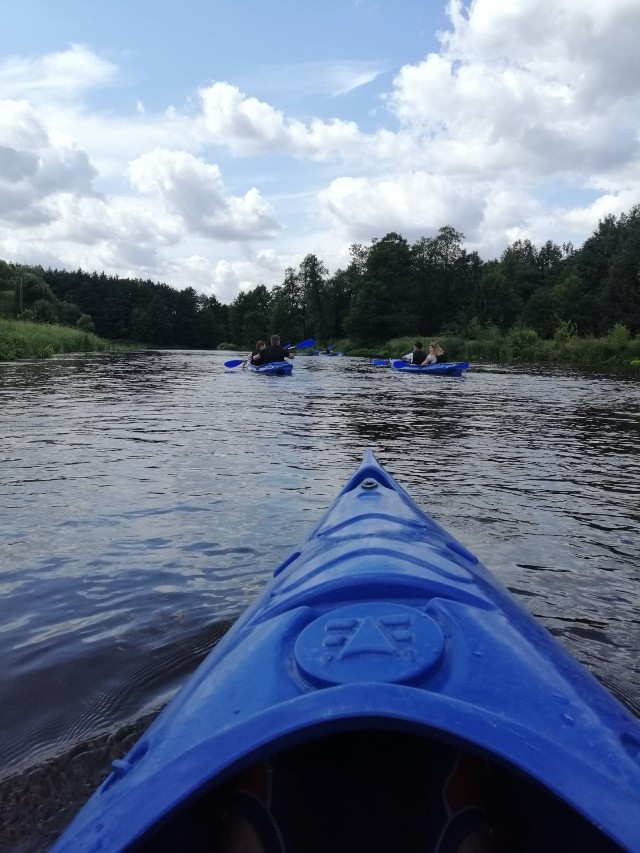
(490, 344)
(19, 339)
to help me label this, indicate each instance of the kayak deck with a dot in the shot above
(380, 659)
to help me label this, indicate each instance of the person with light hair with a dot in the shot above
(436, 354)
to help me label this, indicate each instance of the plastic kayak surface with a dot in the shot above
(379, 641)
(444, 368)
(274, 368)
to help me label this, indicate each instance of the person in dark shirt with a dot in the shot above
(417, 356)
(272, 352)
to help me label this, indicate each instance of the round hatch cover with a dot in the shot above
(370, 641)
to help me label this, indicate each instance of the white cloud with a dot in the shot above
(63, 75)
(225, 279)
(588, 45)
(250, 126)
(193, 190)
(541, 77)
(35, 165)
(413, 204)
(332, 78)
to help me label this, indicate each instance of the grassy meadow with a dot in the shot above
(19, 339)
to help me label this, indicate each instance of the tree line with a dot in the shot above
(389, 289)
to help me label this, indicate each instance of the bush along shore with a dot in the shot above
(617, 349)
(20, 339)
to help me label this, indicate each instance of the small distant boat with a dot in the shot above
(274, 368)
(444, 368)
(384, 692)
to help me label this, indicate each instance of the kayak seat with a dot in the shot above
(365, 791)
(248, 825)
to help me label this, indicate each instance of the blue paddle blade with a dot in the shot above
(380, 362)
(234, 362)
(399, 363)
(310, 342)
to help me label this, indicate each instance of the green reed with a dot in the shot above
(19, 339)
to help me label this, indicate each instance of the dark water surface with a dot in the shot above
(145, 499)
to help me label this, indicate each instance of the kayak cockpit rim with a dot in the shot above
(328, 740)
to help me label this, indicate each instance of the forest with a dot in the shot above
(389, 289)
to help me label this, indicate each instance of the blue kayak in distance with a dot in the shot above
(385, 692)
(274, 368)
(444, 368)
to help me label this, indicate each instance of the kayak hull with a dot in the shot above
(380, 629)
(274, 368)
(445, 368)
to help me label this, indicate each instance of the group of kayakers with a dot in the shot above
(267, 353)
(273, 351)
(421, 358)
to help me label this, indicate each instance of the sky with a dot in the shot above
(215, 143)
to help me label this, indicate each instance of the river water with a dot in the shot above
(145, 499)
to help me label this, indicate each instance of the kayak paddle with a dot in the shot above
(303, 345)
(380, 362)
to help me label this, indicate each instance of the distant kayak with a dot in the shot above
(444, 368)
(274, 368)
(383, 692)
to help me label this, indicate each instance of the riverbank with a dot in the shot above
(19, 339)
(618, 349)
